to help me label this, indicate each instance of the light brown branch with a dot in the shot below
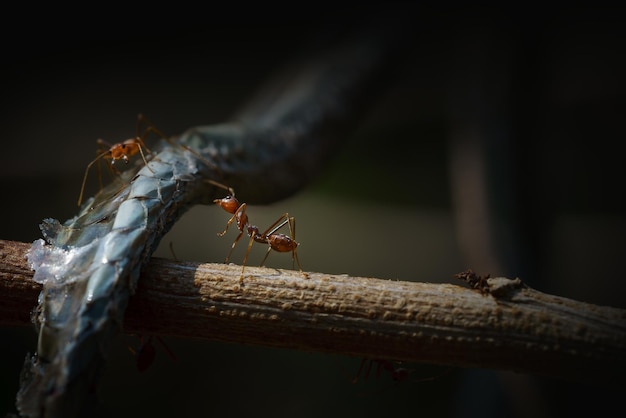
(512, 328)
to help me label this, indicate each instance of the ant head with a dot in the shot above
(229, 203)
(121, 151)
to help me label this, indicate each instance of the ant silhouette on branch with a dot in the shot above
(398, 374)
(146, 352)
(394, 370)
(276, 241)
(121, 151)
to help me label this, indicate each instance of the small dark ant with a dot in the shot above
(398, 374)
(278, 242)
(146, 352)
(121, 151)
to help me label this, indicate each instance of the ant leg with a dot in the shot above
(294, 253)
(368, 369)
(358, 373)
(172, 251)
(230, 221)
(141, 139)
(141, 119)
(245, 258)
(143, 157)
(168, 350)
(145, 354)
(104, 148)
(280, 222)
(239, 214)
(82, 187)
(269, 250)
(232, 247)
(150, 127)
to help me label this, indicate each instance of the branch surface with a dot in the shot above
(507, 326)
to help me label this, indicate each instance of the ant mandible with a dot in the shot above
(121, 151)
(278, 242)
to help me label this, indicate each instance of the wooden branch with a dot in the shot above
(506, 326)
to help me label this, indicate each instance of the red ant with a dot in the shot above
(146, 352)
(121, 151)
(277, 242)
(398, 374)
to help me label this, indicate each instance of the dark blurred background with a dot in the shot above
(496, 146)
